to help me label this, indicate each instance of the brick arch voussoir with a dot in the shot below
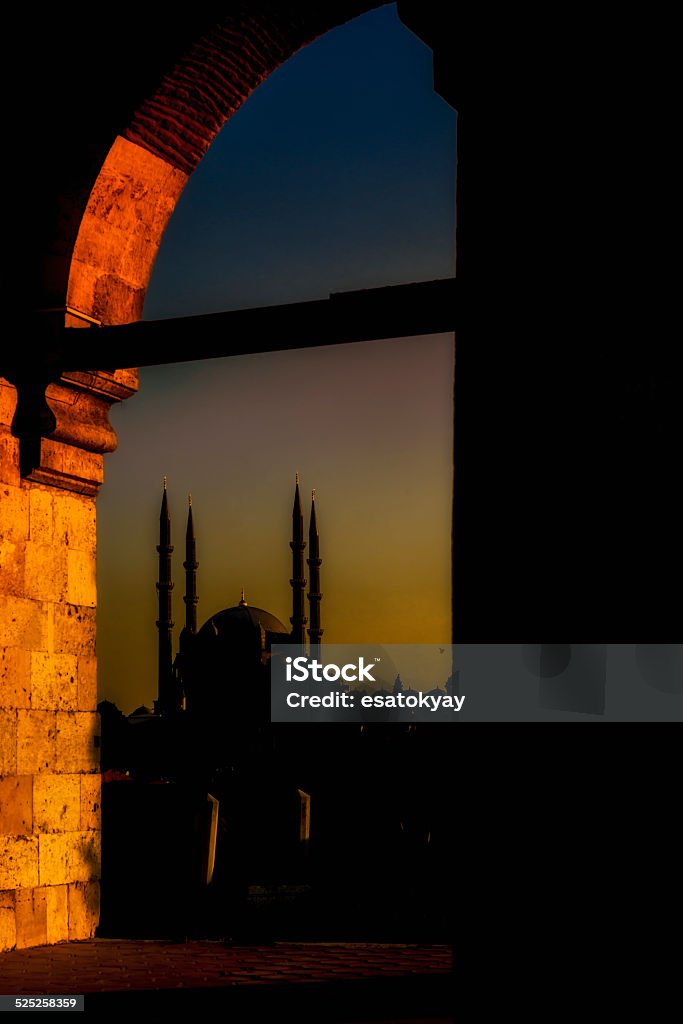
(150, 162)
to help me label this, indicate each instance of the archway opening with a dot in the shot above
(369, 425)
(288, 205)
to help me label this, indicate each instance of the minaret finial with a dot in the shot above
(165, 481)
(313, 494)
(243, 602)
(189, 499)
(296, 477)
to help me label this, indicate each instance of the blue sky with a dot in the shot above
(337, 173)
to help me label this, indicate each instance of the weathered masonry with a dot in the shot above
(49, 784)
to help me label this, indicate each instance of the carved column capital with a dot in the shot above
(63, 425)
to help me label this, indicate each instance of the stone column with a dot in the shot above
(49, 727)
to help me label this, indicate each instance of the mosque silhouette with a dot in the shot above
(222, 667)
(214, 798)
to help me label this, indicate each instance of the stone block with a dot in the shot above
(18, 862)
(15, 678)
(40, 516)
(76, 750)
(56, 803)
(57, 898)
(74, 630)
(50, 627)
(83, 856)
(54, 685)
(36, 734)
(9, 459)
(13, 513)
(23, 623)
(75, 523)
(91, 800)
(8, 928)
(45, 573)
(87, 684)
(67, 466)
(81, 578)
(31, 917)
(8, 742)
(12, 567)
(16, 805)
(84, 909)
(118, 241)
(8, 402)
(54, 857)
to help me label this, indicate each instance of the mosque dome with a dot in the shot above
(233, 623)
(233, 648)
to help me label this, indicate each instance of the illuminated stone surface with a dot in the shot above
(16, 805)
(49, 820)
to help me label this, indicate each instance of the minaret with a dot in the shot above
(190, 565)
(298, 583)
(314, 596)
(166, 702)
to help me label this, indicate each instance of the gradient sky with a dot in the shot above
(338, 173)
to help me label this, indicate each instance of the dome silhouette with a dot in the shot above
(236, 622)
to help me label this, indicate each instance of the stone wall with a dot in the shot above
(49, 728)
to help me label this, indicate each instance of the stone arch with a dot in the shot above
(150, 160)
(125, 118)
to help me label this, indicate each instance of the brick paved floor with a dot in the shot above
(322, 982)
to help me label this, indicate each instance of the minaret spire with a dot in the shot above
(166, 685)
(298, 583)
(190, 565)
(314, 596)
